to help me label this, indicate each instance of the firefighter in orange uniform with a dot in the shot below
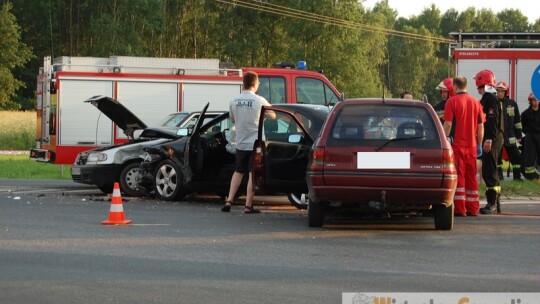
(463, 114)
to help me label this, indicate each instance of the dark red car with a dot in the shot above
(376, 156)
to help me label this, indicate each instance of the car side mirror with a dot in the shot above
(182, 132)
(294, 138)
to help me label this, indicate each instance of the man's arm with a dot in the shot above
(447, 126)
(479, 133)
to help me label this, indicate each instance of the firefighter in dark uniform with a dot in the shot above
(493, 139)
(446, 88)
(512, 130)
(530, 119)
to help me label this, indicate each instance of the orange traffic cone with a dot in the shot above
(116, 215)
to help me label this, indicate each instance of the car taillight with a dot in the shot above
(448, 162)
(317, 162)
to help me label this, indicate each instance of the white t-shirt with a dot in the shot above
(246, 111)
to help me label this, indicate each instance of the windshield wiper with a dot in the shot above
(397, 139)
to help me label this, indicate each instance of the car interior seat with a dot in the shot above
(410, 129)
(351, 131)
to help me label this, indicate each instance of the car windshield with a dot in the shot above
(375, 125)
(174, 119)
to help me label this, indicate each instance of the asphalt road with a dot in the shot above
(53, 249)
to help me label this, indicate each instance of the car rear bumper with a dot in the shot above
(394, 198)
(98, 175)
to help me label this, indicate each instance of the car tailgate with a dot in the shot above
(391, 168)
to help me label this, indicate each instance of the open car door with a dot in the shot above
(282, 152)
(193, 153)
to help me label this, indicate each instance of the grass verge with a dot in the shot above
(21, 167)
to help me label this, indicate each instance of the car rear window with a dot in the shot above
(375, 124)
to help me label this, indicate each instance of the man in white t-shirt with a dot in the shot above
(244, 111)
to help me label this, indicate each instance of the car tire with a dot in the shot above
(129, 180)
(444, 217)
(296, 200)
(168, 181)
(107, 189)
(316, 212)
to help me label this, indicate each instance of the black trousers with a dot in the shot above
(514, 157)
(489, 163)
(531, 154)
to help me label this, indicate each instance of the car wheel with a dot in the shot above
(129, 180)
(316, 212)
(107, 189)
(299, 200)
(444, 217)
(168, 181)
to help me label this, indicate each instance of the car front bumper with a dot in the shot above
(99, 175)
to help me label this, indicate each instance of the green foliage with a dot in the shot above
(13, 53)
(362, 55)
(513, 21)
(486, 21)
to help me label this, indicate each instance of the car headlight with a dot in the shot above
(97, 157)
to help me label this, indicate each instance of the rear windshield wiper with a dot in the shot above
(397, 139)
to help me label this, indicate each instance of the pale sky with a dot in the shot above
(407, 8)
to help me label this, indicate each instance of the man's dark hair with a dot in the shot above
(404, 93)
(460, 82)
(250, 79)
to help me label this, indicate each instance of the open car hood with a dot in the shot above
(119, 114)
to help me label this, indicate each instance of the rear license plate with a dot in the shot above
(383, 160)
(75, 171)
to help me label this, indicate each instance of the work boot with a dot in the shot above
(500, 171)
(491, 207)
(517, 174)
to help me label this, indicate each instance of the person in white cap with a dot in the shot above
(446, 89)
(493, 139)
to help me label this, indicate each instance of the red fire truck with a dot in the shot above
(151, 88)
(513, 58)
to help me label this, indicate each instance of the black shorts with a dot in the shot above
(243, 161)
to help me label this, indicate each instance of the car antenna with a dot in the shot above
(383, 97)
(425, 98)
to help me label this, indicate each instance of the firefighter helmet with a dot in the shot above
(447, 85)
(504, 86)
(485, 77)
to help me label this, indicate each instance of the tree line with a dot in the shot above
(364, 52)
